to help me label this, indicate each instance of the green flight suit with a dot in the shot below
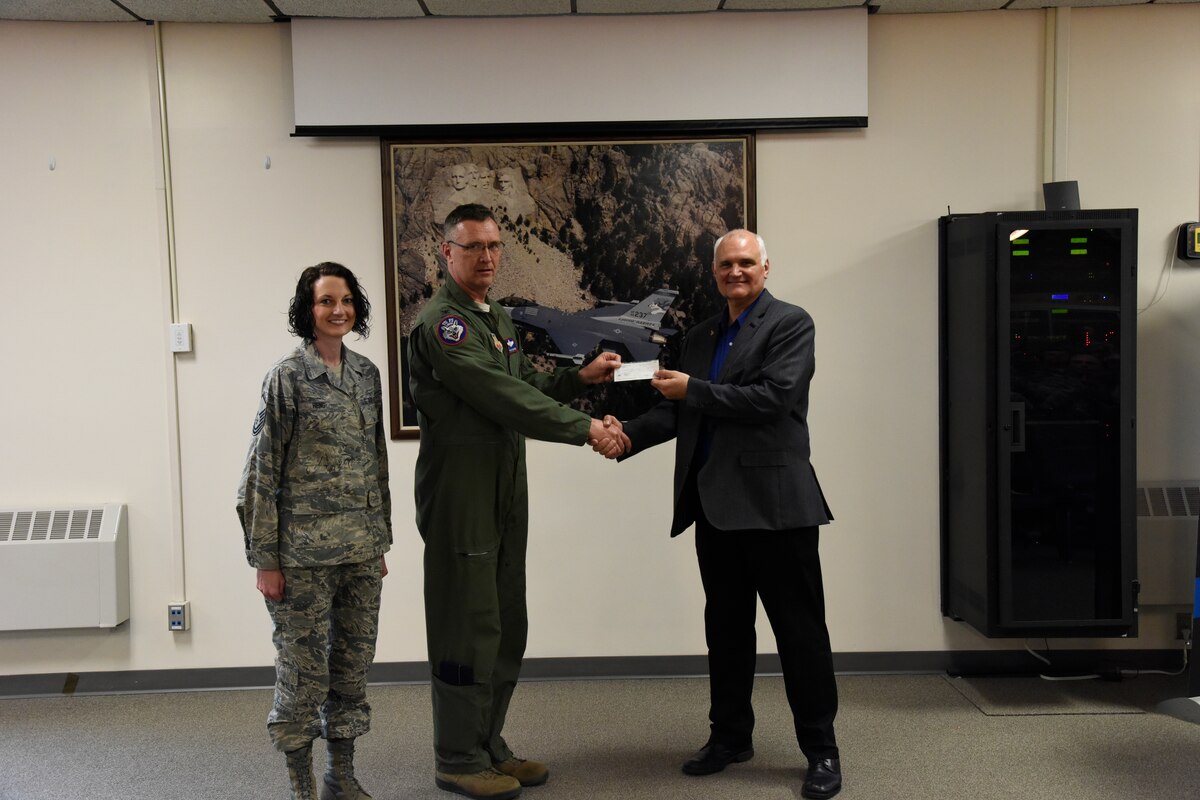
(478, 397)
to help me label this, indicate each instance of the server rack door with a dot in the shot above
(1061, 549)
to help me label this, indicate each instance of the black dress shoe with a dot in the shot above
(714, 757)
(824, 779)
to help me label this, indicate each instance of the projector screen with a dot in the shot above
(438, 76)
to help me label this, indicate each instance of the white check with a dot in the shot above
(636, 371)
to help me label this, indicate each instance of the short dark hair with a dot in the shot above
(473, 212)
(300, 314)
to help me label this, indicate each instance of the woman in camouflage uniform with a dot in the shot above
(316, 513)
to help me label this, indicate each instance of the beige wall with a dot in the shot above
(850, 216)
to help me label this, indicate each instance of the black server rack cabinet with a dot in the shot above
(1038, 318)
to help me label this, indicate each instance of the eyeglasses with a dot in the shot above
(477, 248)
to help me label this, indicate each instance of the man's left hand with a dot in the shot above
(670, 384)
(601, 368)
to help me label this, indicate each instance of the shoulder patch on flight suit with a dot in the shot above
(452, 330)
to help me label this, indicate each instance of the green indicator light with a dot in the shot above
(1020, 252)
(1058, 311)
(1082, 252)
(1020, 241)
(1079, 240)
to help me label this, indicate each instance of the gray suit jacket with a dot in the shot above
(757, 475)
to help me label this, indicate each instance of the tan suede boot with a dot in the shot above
(486, 785)
(300, 773)
(339, 782)
(529, 773)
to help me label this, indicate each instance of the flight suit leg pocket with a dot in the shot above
(476, 633)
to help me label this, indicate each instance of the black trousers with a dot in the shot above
(782, 568)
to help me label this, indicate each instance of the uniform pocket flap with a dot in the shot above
(331, 504)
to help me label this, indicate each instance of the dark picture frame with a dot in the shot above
(587, 223)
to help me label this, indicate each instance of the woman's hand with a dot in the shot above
(270, 583)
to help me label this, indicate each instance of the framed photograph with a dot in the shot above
(608, 244)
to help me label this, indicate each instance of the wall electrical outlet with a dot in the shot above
(179, 616)
(1183, 627)
(181, 337)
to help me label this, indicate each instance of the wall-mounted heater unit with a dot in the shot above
(63, 567)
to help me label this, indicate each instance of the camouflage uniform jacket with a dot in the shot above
(315, 488)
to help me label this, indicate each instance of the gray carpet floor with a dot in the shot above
(927, 736)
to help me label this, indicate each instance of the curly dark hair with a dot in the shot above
(300, 314)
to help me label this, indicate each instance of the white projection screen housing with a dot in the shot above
(438, 76)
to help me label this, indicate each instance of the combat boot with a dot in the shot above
(300, 773)
(486, 785)
(339, 782)
(528, 773)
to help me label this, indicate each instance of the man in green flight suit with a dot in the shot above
(478, 397)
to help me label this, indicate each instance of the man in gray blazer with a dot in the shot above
(737, 409)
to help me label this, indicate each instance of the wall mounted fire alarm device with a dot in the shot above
(1189, 240)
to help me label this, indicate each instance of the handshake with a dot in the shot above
(607, 437)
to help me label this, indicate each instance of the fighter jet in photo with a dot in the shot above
(633, 330)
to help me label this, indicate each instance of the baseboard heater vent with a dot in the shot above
(1176, 499)
(63, 567)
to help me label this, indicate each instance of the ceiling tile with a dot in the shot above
(787, 5)
(64, 11)
(644, 6)
(350, 9)
(497, 8)
(935, 6)
(1030, 4)
(201, 10)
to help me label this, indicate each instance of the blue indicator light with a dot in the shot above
(1060, 297)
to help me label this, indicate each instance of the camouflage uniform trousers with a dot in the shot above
(325, 630)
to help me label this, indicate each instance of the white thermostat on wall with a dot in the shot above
(181, 337)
